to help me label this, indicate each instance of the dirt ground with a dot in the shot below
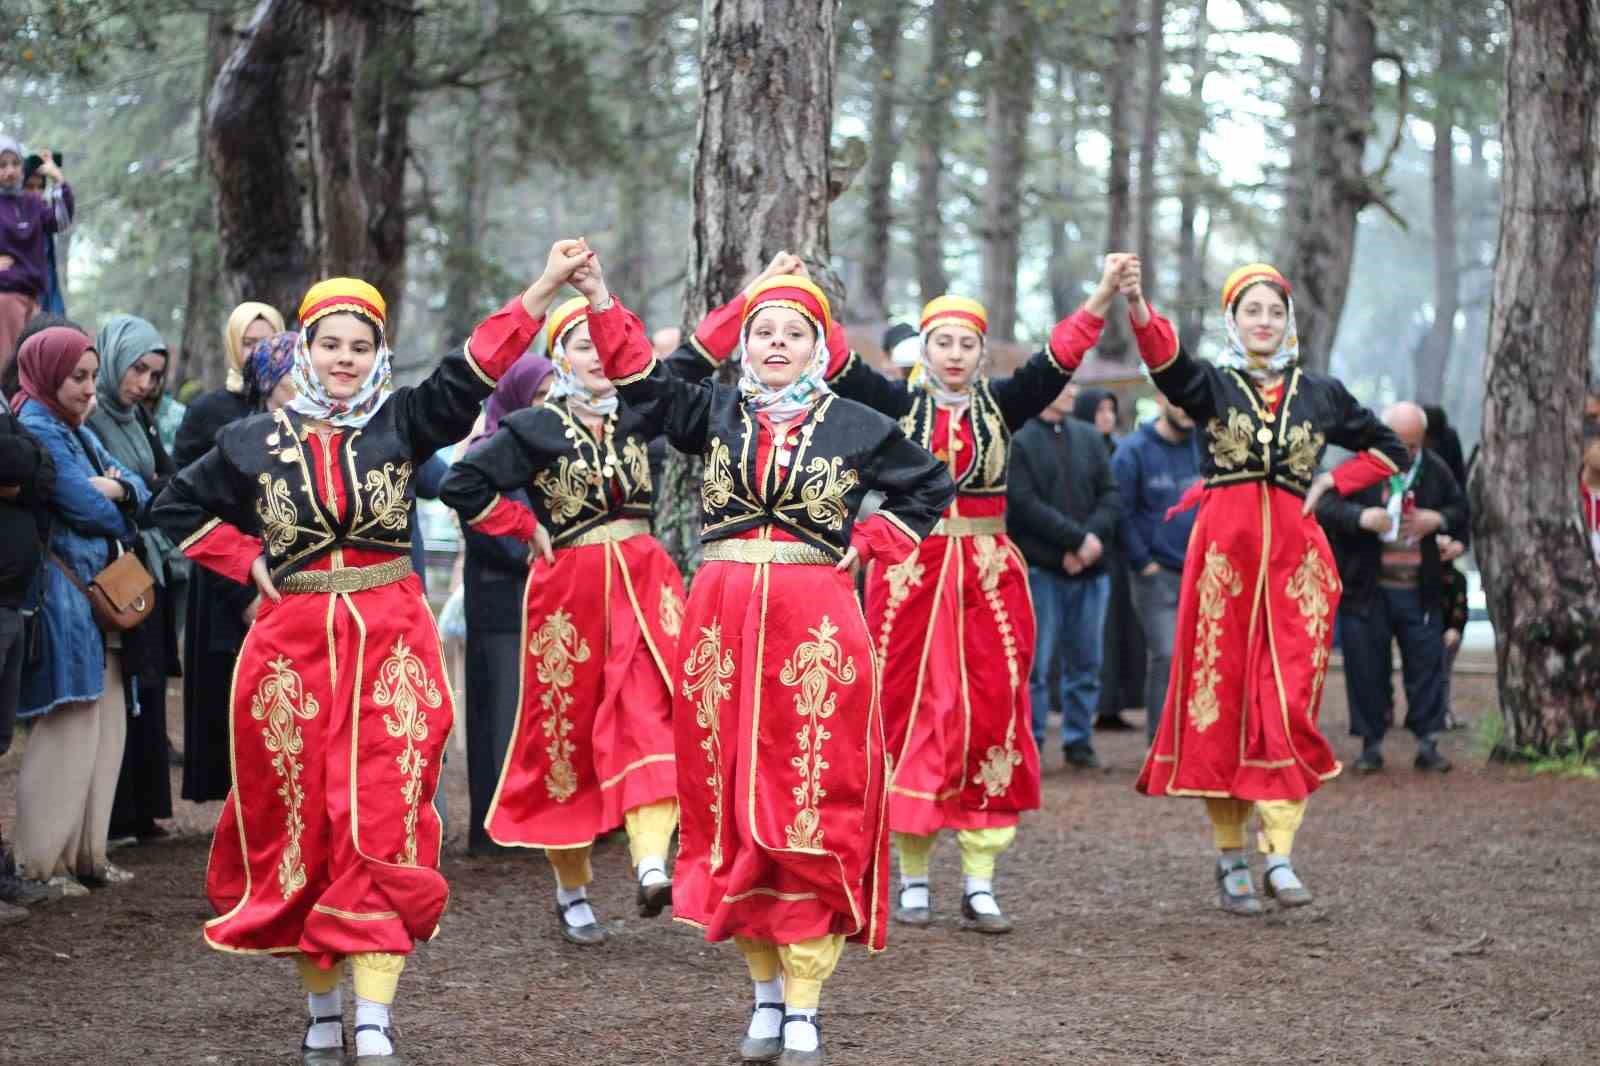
(1455, 923)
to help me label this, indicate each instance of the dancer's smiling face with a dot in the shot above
(585, 360)
(1262, 317)
(343, 349)
(780, 344)
(953, 352)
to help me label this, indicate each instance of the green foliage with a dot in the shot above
(1568, 757)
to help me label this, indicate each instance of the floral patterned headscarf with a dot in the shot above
(1238, 357)
(783, 403)
(336, 296)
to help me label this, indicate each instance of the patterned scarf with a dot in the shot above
(795, 398)
(580, 398)
(1238, 357)
(312, 399)
(266, 364)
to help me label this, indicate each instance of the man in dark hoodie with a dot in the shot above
(1153, 467)
(1061, 511)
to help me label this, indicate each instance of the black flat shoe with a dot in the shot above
(391, 1059)
(653, 899)
(1113, 723)
(1370, 762)
(589, 935)
(1247, 904)
(763, 1049)
(1432, 760)
(983, 923)
(790, 1057)
(324, 1056)
(1081, 757)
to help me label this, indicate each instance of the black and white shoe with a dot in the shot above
(588, 935)
(792, 1057)
(324, 1056)
(762, 1048)
(391, 1059)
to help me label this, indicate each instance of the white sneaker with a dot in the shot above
(61, 886)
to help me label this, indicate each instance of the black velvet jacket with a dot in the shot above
(1245, 440)
(259, 476)
(999, 408)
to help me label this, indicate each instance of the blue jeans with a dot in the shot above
(1070, 615)
(1394, 615)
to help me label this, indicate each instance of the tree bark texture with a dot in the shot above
(1302, 113)
(885, 148)
(1155, 70)
(1538, 570)
(1434, 358)
(1060, 277)
(1192, 300)
(200, 353)
(1117, 340)
(932, 123)
(1010, 75)
(254, 116)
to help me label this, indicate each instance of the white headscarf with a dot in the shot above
(313, 401)
(792, 399)
(570, 387)
(925, 377)
(1238, 357)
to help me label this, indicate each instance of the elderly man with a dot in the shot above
(1387, 540)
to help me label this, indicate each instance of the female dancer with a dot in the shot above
(329, 847)
(592, 746)
(783, 845)
(1259, 586)
(954, 623)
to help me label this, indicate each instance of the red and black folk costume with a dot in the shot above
(328, 845)
(1260, 587)
(784, 840)
(592, 748)
(954, 624)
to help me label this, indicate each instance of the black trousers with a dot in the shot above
(1394, 615)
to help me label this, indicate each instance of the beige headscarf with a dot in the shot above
(233, 338)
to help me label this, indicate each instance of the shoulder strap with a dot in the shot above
(67, 570)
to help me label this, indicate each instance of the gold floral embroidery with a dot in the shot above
(1218, 580)
(387, 491)
(901, 578)
(279, 518)
(671, 611)
(813, 665)
(824, 491)
(990, 558)
(558, 647)
(404, 685)
(999, 765)
(1230, 444)
(1310, 586)
(994, 449)
(637, 461)
(279, 700)
(717, 487)
(1305, 448)
(564, 490)
(705, 681)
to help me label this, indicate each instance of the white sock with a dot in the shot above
(579, 915)
(984, 904)
(1236, 872)
(914, 892)
(326, 1005)
(1281, 874)
(801, 1034)
(768, 1023)
(372, 1042)
(653, 871)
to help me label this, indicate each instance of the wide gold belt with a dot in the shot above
(348, 579)
(617, 530)
(767, 551)
(970, 527)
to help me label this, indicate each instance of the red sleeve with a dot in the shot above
(1158, 344)
(505, 518)
(618, 335)
(1361, 472)
(717, 335)
(1073, 336)
(226, 550)
(882, 538)
(501, 338)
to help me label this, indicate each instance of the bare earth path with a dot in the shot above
(1458, 921)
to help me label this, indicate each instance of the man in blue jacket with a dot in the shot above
(1152, 467)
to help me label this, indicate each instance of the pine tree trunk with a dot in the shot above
(1434, 359)
(1155, 70)
(1302, 113)
(200, 354)
(640, 35)
(932, 123)
(885, 147)
(1064, 297)
(463, 255)
(1117, 340)
(1538, 570)
(1192, 302)
(254, 115)
(1010, 75)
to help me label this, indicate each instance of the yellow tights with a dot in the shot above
(804, 965)
(375, 975)
(979, 850)
(649, 836)
(1230, 818)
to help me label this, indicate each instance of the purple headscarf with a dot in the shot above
(266, 364)
(513, 392)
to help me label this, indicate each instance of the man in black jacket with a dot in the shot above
(1062, 510)
(1386, 541)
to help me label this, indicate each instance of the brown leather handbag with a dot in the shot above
(120, 596)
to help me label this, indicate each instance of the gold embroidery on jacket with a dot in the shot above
(279, 518)
(671, 611)
(810, 668)
(637, 461)
(564, 490)
(994, 449)
(1310, 586)
(1304, 448)
(824, 491)
(558, 646)
(705, 682)
(1218, 581)
(716, 489)
(901, 578)
(279, 699)
(1230, 444)
(403, 684)
(1000, 761)
(387, 491)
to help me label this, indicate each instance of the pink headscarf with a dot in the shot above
(44, 362)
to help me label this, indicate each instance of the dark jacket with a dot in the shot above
(1060, 489)
(1360, 553)
(1151, 474)
(207, 416)
(25, 517)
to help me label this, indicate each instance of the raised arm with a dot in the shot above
(1181, 377)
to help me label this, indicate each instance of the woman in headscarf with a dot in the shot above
(1259, 586)
(494, 582)
(783, 845)
(328, 849)
(74, 696)
(133, 362)
(592, 745)
(954, 623)
(214, 608)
